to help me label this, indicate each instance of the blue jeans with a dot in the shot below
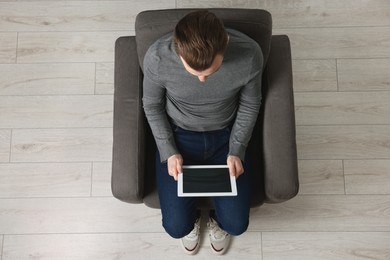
(180, 213)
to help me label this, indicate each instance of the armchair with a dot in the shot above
(273, 140)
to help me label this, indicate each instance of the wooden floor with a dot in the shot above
(56, 99)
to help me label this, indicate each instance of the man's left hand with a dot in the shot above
(235, 166)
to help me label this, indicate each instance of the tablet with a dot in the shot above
(206, 181)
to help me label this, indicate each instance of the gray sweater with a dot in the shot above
(231, 95)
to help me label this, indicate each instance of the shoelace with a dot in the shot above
(195, 232)
(216, 231)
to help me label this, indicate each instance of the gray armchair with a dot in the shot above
(273, 141)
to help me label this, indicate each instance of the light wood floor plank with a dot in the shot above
(5, 141)
(325, 213)
(67, 46)
(120, 246)
(47, 79)
(1, 246)
(76, 215)
(339, 108)
(321, 177)
(326, 246)
(364, 74)
(314, 75)
(8, 47)
(337, 43)
(343, 142)
(104, 78)
(68, 15)
(45, 180)
(309, 13)
(101, 179)
(61, 145)
(56, 111)
(367, 176)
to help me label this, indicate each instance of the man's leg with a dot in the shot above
(232, 213)
(178, 213)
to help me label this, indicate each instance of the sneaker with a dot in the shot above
(219, 239)
(191, 242)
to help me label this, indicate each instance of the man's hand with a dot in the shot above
(175, 165)
(235, 166)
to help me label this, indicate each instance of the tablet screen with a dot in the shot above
(206, 180)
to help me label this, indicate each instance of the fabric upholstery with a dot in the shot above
(279, 145)
(129, 125)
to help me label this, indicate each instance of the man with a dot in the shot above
(202, 94)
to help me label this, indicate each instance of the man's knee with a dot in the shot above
(177, 229)
(236, 228)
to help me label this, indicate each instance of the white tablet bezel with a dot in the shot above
(180, 192)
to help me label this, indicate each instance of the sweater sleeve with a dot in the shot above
(154, 99)
(248, 107)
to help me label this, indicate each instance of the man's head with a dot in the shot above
(200, 40)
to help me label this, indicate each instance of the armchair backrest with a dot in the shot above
(151, 25)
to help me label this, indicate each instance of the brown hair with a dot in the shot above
(198, 38)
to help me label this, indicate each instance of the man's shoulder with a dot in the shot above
(239, 37)
(161, 46)
(239, 40)
(242, 43)
(243, 48)
(158, 50)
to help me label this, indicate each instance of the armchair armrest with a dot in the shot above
(127, 182)
(280, 152)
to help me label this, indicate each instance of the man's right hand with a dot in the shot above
(175, 165)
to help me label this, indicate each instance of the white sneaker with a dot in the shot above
(219, 239)
(191, 242)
